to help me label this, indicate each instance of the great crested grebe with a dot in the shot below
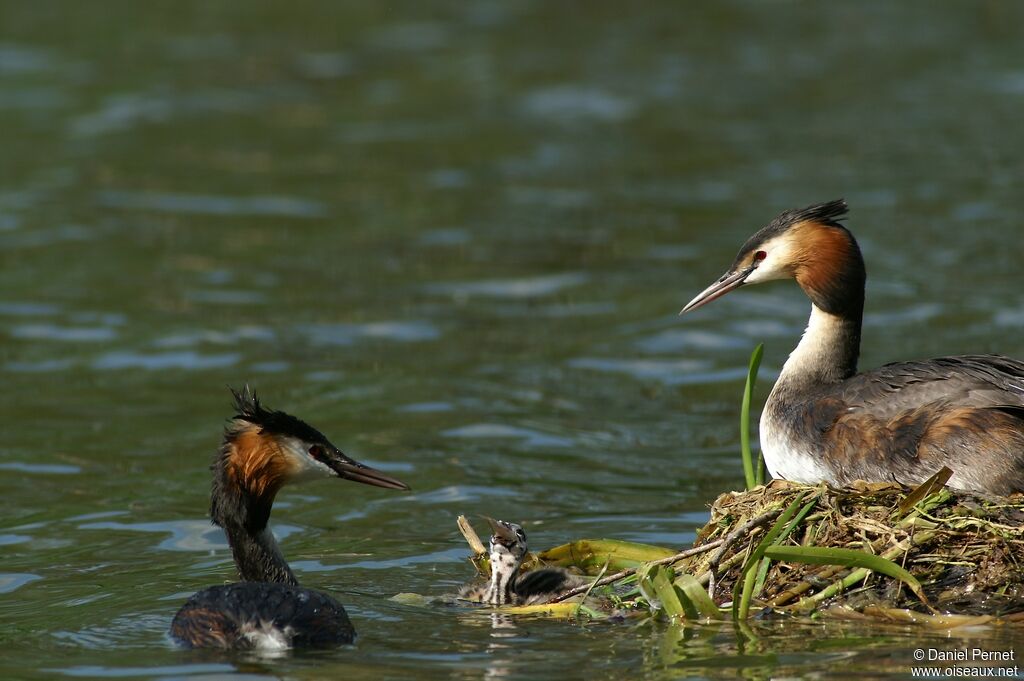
(506, 586)
(262, 451)
(902, 421)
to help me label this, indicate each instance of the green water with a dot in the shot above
(455, 238)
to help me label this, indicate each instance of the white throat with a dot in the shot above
(503, 572)
(820, 349)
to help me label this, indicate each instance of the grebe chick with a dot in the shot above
(506, 586)
(902, 421)
(262, 451)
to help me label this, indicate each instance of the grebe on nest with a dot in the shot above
(902, 421)
(506, 586)
(263, 450)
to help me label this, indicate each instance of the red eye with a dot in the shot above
(317, 452)
(759, 256)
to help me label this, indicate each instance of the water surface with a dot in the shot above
(455, 238)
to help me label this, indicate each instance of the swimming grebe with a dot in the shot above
(506, 586)
(902, 421)
(262, 451)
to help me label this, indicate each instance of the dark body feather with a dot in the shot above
(540, 586)
(530, 588)
(237, 615)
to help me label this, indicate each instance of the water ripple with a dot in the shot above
(325, 65)
(452, 555)
(45, 468)
(669, 372)
(95, 516)
(46, 236)
(425, 407)
(17, 59)
(673, 252)
(167, 671)
(41, 366)
(444, 237)
(550, 196)
(121, 112)
(465, 495)
(226, 297)
(12, 581)
(186, 535)
(530, 438)
(567, 103)
(1009, 317)
(33, 99)
(75, 334)
(527, 287)
(124, 359)
(411, 37)
(270, 367)
(348, 334)
(911, 315)
(8, 539)
(233, 337)
(676, 340)
(205, 204)
(28, 309)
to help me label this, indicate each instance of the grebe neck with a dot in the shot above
(258, 557)
(827, 353)
(244, 515)
(831, 272)
(504, 569)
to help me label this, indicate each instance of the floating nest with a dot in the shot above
(966, 551)
(954, 558)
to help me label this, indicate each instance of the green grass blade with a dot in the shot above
(743, 592)
(586, 594)
(818, 555)
(656, 582)
(590, 612)
(748, 391)
(692, 591)
(762, 570)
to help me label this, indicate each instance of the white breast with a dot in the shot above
(786, 459)
(266, 637)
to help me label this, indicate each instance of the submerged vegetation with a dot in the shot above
(874, 550)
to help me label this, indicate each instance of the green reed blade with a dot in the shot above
(753, 478)
(818, 555)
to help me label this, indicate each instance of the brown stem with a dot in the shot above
(733, 537)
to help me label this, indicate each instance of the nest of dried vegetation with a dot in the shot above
(966, 550)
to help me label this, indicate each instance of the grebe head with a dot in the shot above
(507, 540)
(267, 449)
(806, 244)
(264, 450)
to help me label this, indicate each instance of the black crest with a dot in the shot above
(828, 213)
(248, 408)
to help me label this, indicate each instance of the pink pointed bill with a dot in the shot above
(726, 283)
